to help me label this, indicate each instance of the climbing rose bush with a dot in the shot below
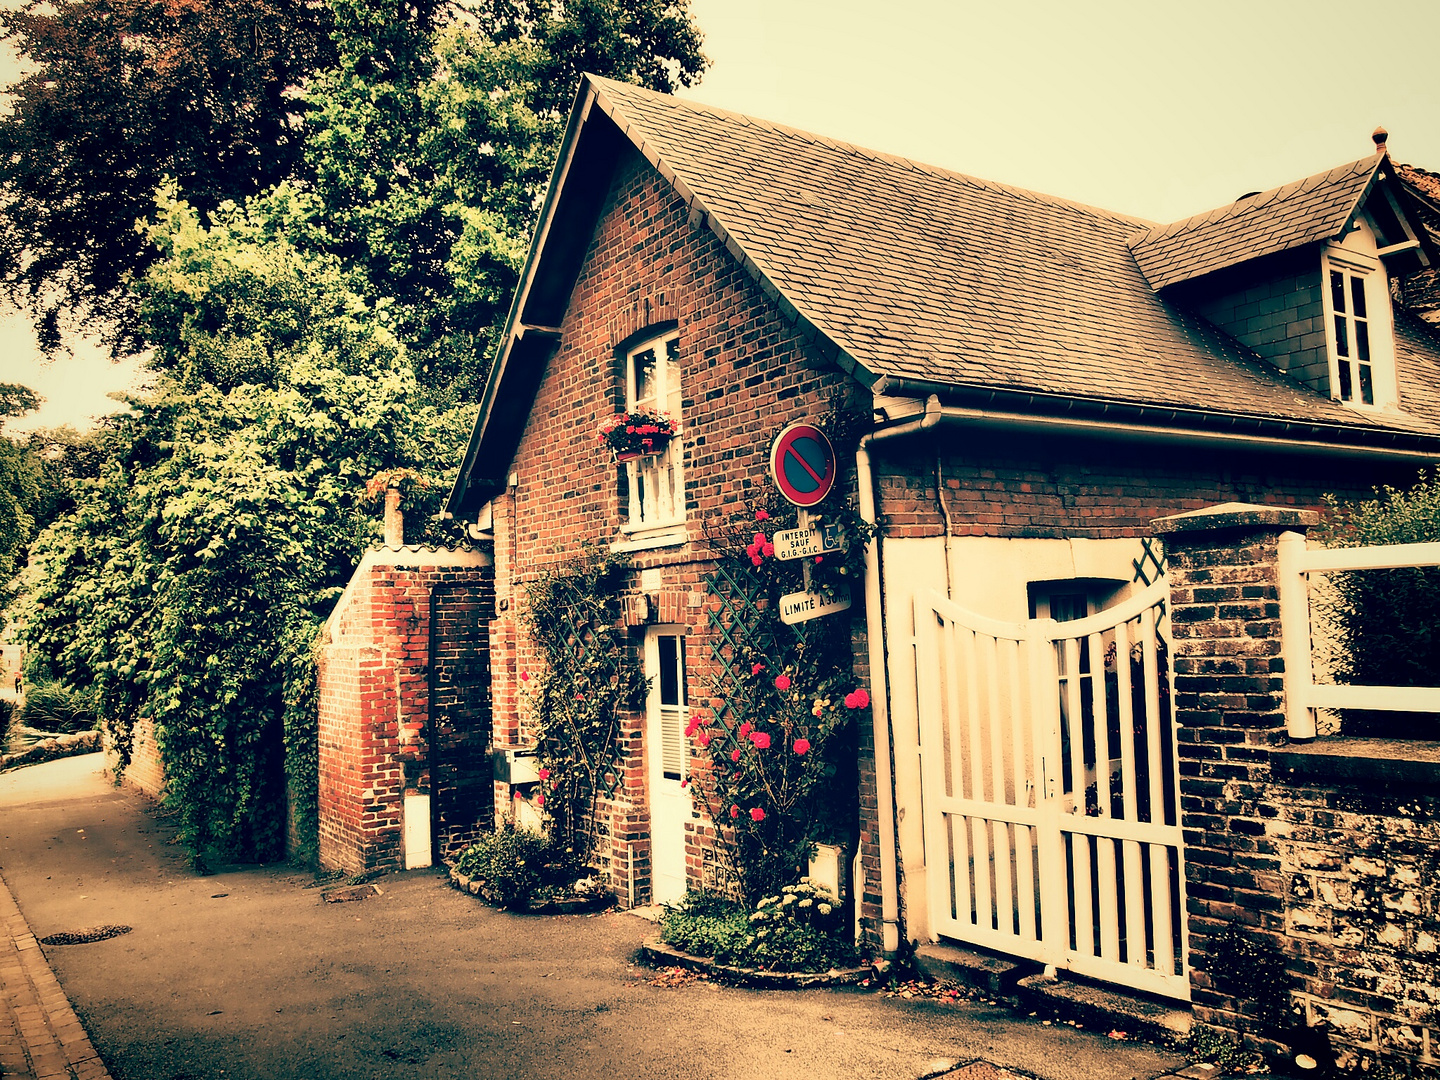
(765, 771)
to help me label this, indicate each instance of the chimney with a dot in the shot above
(1380, 135)
(394, 520)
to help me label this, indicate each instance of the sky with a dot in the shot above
(1160, 109)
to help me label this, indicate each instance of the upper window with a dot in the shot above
(656, 482)
(1359, 328)
(1352, 365)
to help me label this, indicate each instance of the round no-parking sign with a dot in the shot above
(802, 464)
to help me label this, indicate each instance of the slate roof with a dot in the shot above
(920, 273)
(1307, 211)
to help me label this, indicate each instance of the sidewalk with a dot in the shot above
(40, 1037)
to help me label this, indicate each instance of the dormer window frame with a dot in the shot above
(1359, 325)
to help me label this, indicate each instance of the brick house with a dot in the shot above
(1041, 380)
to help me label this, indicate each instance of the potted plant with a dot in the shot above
(637, 433)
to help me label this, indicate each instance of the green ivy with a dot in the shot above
(592, 677)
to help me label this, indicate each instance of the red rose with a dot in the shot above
(760, 739)
(761, 515)
(782, 682)
(801, 745)
(756, 668)
(734, 811)
(735, 754)
(756, 814)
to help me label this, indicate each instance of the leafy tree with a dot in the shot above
(190, 580)
(429, 149)
(121, 94)
(17, 479)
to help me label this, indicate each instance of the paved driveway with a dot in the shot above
(248, 974)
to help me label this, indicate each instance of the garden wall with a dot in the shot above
(404, 710)
(1327, 852)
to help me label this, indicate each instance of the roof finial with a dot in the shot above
(1380, 135)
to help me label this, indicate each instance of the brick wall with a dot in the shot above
(145, 771)
(1341, 877)
(410, 620)
(746, 373)
(1065, 487)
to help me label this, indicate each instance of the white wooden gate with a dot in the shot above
(1050, 789)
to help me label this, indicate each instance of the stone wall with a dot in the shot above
(1328, 854)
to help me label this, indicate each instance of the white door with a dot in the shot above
(667, 713)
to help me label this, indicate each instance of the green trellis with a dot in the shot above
(742, 623)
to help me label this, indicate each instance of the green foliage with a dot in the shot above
(797, 929)
(1384, 620)
(7, 717)
(121, 94)
(1212, 1046)
(53, 706)
(591, 679)
(510, 865)
(189, 582)
(1250, 969)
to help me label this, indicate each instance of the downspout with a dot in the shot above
(879, 676)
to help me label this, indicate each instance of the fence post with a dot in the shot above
(1229, 702)
(1294, 587)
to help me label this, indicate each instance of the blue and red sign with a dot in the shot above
(802, 464)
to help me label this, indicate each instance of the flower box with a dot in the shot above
(636, 434)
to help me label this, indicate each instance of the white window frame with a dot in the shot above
(655, 514)
(1354, 261)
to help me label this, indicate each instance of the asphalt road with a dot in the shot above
(246, 973)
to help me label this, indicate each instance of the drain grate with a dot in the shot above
(85, 937)
(349, 893)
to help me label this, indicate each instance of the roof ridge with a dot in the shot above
(940, 171)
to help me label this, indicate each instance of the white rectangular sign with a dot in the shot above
(802, 543)
(798, 607)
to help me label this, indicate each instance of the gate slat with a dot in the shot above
(959, 827)
(1004, 896)
(1160, 899)
(1099, 720)
(1109, 906)
(1136, 886)
(980, 827)
(1081, 871)
(1154, 718)
(1021, 771)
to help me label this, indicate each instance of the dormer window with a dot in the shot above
(1355, 378)
(1359, 326)
(655, 513)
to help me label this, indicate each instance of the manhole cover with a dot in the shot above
(349, 892)
(84, 937)
(975, 1070)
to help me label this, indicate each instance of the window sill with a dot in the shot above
(1359, 761)
(669, 536)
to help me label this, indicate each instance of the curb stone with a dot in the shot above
(655, 951)
(40, 1035)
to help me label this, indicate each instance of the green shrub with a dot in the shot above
(53, 706)
(1223, 1050)
(1384, 620)
(798, 929)
(510, 865)
(7, 714)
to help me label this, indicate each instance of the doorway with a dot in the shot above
(668, 760)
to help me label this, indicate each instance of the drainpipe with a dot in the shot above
(879, 676)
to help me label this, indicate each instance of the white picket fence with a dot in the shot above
(1296, 562)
